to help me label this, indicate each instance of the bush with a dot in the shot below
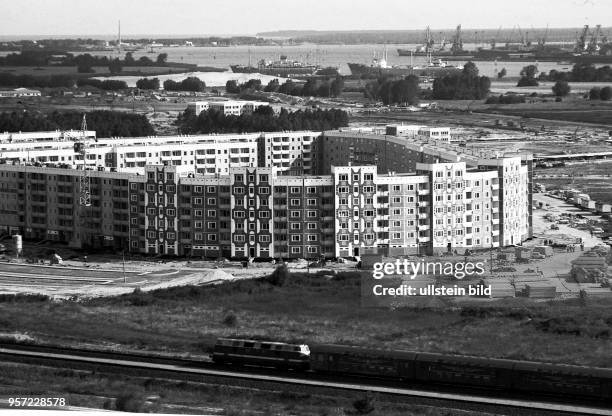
(230, 319)
(527, 82)
(279, 276)
(561, 88)
(130, 401)
(595, 93)
(605, 94)
(365, 405)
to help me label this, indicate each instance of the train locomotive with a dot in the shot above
(426, 368)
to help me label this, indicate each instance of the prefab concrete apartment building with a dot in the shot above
(268, 195)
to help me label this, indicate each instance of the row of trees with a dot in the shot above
(403, 91)
(9, 80)
(194, 84)
(148, 83)
(105, 123)
(84, 62)
(580, 73)
(312, 88)
(262, 119)
(604, 94)
(108, 84)
(466, 85)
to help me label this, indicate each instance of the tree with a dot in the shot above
(337, 86)
(528, 78)
(115, 66)
(606, 94)
(231, 87)
(129, 59)
(595, 93)
(561, 88)
(161, 58)
(466, 85)
(272, 86)
(501, 73)
(148, 84)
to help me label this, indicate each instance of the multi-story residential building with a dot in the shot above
(295, 194)
(227, 107)
(289, 152)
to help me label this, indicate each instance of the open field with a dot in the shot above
(316, 308)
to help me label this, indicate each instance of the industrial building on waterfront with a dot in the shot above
(268, 195)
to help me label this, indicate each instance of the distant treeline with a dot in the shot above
(105, 123)
(262, 119)
(9, 80)
(501, 35)
(505, 99)
(107, 84)
(43, 57)
(466, 85)
(580, 73)
(312, 88)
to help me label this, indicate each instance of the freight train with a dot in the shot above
(452, 370)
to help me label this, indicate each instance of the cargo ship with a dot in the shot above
(379, 67)
(282, 68)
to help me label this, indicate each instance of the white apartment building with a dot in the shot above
(228, 107)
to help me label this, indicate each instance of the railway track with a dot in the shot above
(158, 366)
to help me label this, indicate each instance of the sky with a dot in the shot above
(248, 17)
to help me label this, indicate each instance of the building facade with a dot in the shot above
(270, 195)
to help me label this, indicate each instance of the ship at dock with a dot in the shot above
(591, 47)
(284, 67)
(380, 68)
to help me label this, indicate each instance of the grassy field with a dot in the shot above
(317, 309)
(147, 395)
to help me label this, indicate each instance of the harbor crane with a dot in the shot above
(593, 45)
(581, 43)
(457, 45)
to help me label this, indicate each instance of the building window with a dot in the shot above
(343, 237)
(295, 226)
(311, 190)
(295, 250)
(311, 202)
(312, 237)
(211, 213)
(312, 214)
(312, 225)
(295, 190)
(295, 214)
(343, 177)
(264, 238)
(296, 238)
(295, 202)
(170, 236)
(239, 238)
(264, 214)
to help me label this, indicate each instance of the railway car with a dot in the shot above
(261, 353)
(362, 361)
(464, 370)
(561, 379)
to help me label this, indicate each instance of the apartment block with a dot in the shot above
(269, 195)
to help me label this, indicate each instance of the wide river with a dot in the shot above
(325, 55)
